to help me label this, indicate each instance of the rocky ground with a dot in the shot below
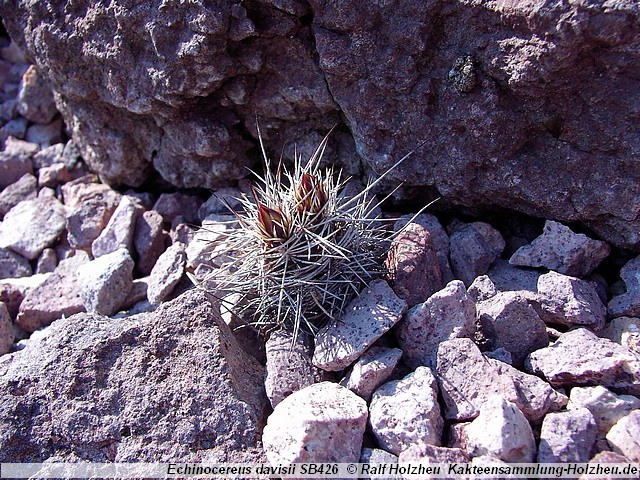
(484, 344)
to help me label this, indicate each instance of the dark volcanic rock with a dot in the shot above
(171, 385)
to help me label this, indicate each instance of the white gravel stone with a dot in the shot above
(363, 321)
(323, 422)
(166, 273)
(567, 436)
(371, 370)
(106, 281)
(406, 412)
(606, 407)
(501, 430)
(119, 231)
(624, 436)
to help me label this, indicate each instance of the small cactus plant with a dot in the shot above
(302, 250)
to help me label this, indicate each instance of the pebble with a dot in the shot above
(413, 265)
(35, 100)
(624, 436)
(166, 273)
(58, 295)
(449, 313)
(501, 430)
(149, 240)
(562, 250)
(13, 265)
(25, 188)
(7, 333)
(625, 331)
(628, 304)
(406, 412)
(32, 225)
(15, 160)
(474, 247)
(567, 436)
(323, 422)
(606, 407)
(570, 301)
(119, 231)
(106, 281)
(371, 370)
(579, 358)
(363, 321)
(509, 321)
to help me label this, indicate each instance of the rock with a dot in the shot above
(13, 265)
(184, 397)
(481, 289)
(323, 422)
(26, 188)
(13, 290)
(289, 366)
(509, 321)
(32, 225)
(45, 135)
(171, 205)
(406, 412)
(579, 358)
(607, 407)
(35, 101)
(570, 301)
(90, 209)
(15, 160)
(562, 250)
(181, 232)
(467, 379)
(58, 295)
(166, 273)
(567, 437)
(220, 201)
(376, 458)
(53, 175)
(119, 231)
(449, 313)
(106, 281)
(371, 370)
(474, 247)
(50, 156)
(413, 265)
(535, 397)
(138, 293)
(363, 321)
(507, 277)
(624, 436)
(625, 331)
(16, 128)
(628, 304)
(148, 239)
(7, 333)
(425, 453)
(500, 430)
(439, 240)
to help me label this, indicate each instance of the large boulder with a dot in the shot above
(501, 93)
(169, 385)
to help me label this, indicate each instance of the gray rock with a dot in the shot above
(507, 277)
(13, 265)
(13, 290)
(406, 412)
(219, 202)
(7, 333)
(47, 261)
(628, 304)
(482, 289)
(323, 422)
(509, 321)
(289, 366)
(148, 239)
(50, 156)
(363, 321)
(53, 175)
(431, 454)
(467, 379)
(376, 460)
(166, 273)
(119, 231)
(106, 281)
(16, 128)
(624, 436)
(172, 205)
(145, 388)
(562, 250)
(449, 313)
(474, 247)
(32, 225)
(26, 188)
(16, 160)
(35, 101)
(413, 265)
(371, 370)
(58, 295)
(45, 135)
(570, 301)
(625, 331)
(501, 430)
(579, 358)
(138, 293)
(607, 407)
(567, 437)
